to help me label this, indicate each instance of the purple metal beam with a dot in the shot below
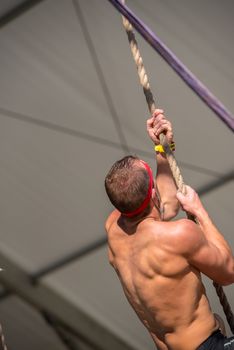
(195, 84)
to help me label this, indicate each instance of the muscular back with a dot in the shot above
(164, 290)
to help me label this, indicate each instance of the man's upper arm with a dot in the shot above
(203, 254)
(111, 218)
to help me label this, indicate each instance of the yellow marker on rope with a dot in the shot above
(160, 149)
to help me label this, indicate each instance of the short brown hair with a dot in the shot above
(127, 184)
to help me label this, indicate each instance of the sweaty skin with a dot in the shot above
(164, 290)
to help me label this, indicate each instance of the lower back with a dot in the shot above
(164, 290)
(173, 306)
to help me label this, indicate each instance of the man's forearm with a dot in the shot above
(166, 186)
(213, 255)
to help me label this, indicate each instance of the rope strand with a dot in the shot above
(144, 81)
(2, 340)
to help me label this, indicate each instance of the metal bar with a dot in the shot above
(101, 76)
(45, 299)
(65, 339)
(189, 78)
(95, 139)
(58, 128)
(18, 11)
(216, 183)
(69, 258)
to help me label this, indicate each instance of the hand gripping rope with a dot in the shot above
(144, 81)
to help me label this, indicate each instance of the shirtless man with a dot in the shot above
(159, 262)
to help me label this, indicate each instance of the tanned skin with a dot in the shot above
(159, 262)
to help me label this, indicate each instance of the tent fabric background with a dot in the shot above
(59, 137)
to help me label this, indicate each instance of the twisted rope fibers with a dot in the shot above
(2, 340)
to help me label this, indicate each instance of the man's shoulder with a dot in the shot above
(183, 225)
(184, 235)
(176, 227)
(114, 215)
(179, 235)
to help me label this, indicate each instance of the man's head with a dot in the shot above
(128, 184)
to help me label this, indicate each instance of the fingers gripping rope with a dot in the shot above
(144, 81)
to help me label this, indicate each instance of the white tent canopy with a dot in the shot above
(70, 105)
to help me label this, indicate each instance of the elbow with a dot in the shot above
(229, 280)
(226, 282)
(229, 276)
(170, 211)
(168, 215)
(230, 264)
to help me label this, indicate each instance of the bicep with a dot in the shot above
(209, 260)
(206, 256)
(111, 218)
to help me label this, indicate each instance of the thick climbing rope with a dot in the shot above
(189, 78)
(2, 340)
(144, 81)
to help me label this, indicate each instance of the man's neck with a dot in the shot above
(132, 223)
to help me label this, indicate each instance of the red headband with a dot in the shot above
(148, 196)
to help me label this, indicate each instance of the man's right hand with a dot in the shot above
(158, 124)
(190, 202)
